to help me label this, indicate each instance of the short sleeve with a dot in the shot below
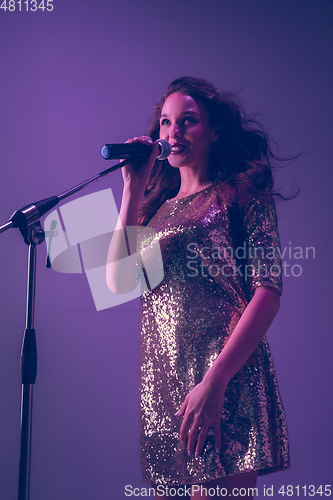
(262, 249)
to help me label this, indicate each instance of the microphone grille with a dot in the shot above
(165, 149)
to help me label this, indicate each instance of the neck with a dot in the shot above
(192, 180)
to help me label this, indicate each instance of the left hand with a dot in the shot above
(202, 409)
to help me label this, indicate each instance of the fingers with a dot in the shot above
(145, 139)
(195, 434)
(182, 409)
(202, 437)
(199, 433)
(196, 439)
(197, 420)
(185, 427)
(217, 435)
(189, 431)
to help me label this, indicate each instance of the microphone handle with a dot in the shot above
(134, 150)
(130, 150)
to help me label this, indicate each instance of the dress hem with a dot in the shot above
(261, 472)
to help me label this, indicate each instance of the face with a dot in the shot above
(184, 123)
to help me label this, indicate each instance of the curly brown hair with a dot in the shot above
(240, 160)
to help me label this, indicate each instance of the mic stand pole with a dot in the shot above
(35, 235)
(27, 221)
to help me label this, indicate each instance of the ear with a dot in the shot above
(216, 134)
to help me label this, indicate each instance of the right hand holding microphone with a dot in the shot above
(136, 174)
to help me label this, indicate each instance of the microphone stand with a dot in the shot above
(27, 221)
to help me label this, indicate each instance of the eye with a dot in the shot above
(165, 121)
(189, 119)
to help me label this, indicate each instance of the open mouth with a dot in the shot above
(176, 149)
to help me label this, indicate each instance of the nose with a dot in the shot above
(175, 131)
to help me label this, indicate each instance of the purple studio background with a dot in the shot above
(88, 73)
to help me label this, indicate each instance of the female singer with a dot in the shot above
(211, 412)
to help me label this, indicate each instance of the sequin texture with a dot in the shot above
(186, 321)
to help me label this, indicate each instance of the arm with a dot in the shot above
(120, 273)
(246, 336)
(204, 404)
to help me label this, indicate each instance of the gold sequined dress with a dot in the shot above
(185, 322)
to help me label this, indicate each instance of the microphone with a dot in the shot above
(135, 150)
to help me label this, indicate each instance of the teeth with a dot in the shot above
(176, 149)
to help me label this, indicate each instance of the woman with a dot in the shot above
(211, 413)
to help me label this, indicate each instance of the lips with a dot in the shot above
(177, 148)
